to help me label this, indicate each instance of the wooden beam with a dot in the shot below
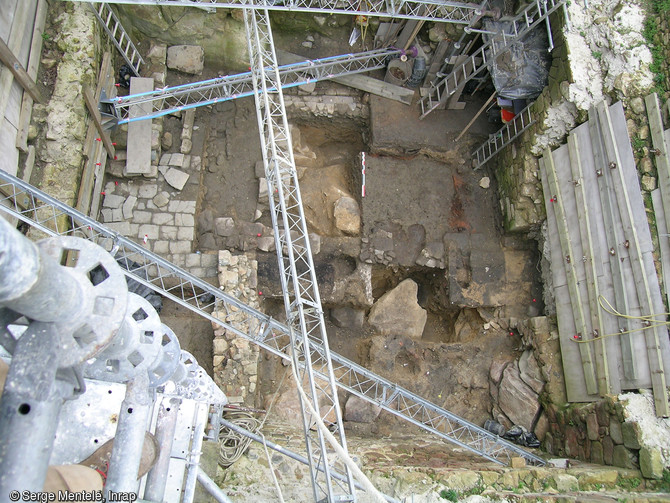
(19, 20)
(359, 81)
(615, 136)
(93, 150)
(92, 106)
(10, 61)
(571, 260)
(663, 240)
(590, 260)
(661, 157)
(33, 64)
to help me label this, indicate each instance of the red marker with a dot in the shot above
(258, 235)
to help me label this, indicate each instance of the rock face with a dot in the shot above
(358, 410)
(516, 399)
(186, 58)
(347, 215)
(398, 312)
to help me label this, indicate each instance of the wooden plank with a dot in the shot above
(99, 176)
(139, 132)
(574, 379)
(33, 64)
(10, 61)
(661, 158)
(589, 260)
(359, 81)
(663, 241)
(570, 254)
(29, 164)
(92, 149)
(618, 254)
(615, 135)
(92, 106)
(599, 254)
(13, 43)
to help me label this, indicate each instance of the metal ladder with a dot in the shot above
(207, 92)
(112, 26)
(302, 301)
(429, 10)
(23, 201)
(503, 137)
(531, 17)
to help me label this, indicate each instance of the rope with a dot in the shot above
(272, 470)
(232, 444)
(648, 321)
(342, 454)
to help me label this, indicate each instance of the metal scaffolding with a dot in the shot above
(23, 201)
(535, 14)
(302, 301)
(429, 10)
(207, 92)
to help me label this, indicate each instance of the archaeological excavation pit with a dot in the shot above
(472, 221)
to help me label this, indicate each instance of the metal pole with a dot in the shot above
(29, 410)
(165, 428)
(193, 462)
(212, 488)
(129, 438)
(286, 452)
(33, 283)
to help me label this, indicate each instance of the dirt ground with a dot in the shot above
(416, 175)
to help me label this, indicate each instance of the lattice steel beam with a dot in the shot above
(207, 92)
(297, 273)
(429, 10)
(23, 201)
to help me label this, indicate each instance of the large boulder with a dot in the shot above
(516, 399)
(186, 58)
(358, 410)
(347, 215)
(398, 312)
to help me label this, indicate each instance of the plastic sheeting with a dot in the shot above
(522, 70)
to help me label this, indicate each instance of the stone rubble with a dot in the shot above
(236, 359)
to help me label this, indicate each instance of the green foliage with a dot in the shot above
(637, 143)
(449, 495)
(664, 484)
(651, 35)
(629, 484)
(45, 36)
(597, 55)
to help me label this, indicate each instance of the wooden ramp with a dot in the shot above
(612, 329)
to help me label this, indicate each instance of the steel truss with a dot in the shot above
(298, 277)
(532, 16)
(43, 212)
(429, 10)
(207, 92)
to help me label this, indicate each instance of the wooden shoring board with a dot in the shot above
(663, 240)
(94, 150)
(575, 383)
(600, 259)
(22, 14)
(587, 214)
(661, 158)
(571, 253)
(33, 64)
(631, 207)
(625, 298)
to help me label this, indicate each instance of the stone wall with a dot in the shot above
(600, 55)
(620, 431)
(236, 359)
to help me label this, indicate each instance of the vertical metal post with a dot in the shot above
(29, 410)
(193, 461)
(129, 439)
(212, 488)
(165, 428)
(33, 283)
